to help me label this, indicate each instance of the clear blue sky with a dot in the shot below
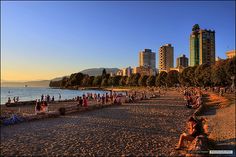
(42, 40)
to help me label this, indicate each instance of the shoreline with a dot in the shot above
(82, 89)
(108, 89)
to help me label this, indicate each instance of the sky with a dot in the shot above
(43, 40)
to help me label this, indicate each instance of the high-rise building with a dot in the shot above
(182, 61)
(166, 57)
(119, 73)
(142, 70)
(202, 46)
(147, 58)
(127, 71)
(218, 59)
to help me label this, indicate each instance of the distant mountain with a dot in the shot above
(59, 78)
(98, 71)
(43, 83)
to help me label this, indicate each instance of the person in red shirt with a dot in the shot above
(85, 101)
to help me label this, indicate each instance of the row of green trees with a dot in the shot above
(218, 74)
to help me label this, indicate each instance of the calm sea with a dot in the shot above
(32, 93)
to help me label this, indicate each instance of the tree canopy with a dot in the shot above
(218, 74)
(196, 27)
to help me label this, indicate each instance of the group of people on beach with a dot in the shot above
(15, 99)
(113, 97)
(193, 97)
(47, 98)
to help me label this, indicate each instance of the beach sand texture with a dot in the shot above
(221, 120)
(150, 127)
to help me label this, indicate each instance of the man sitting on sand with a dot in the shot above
(194, 131)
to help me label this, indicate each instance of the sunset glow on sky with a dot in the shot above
(44, 40)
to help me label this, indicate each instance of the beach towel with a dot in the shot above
(14, 119)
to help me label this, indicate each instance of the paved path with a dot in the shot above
(147, 128)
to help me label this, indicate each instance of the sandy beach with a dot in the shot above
(150, 127)
(221, 120)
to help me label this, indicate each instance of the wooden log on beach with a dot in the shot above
(68, 109)
(32, 117)
(21, 103)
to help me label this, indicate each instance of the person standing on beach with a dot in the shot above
(85, 101)
(9, 100)
(98, 98)
(107, 97)
(17, 99)
(59, 96)
(52, 98)
(42, 96)
(103, 99)
(95, 96)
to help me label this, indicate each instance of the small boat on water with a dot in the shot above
(26, 85)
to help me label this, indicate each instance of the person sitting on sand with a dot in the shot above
(44, 107)
(194, 131)
(37, 107)
(189, 101)
(198, 102)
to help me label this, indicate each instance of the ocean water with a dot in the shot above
(33, 93)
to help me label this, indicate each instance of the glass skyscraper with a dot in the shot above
(202, 46)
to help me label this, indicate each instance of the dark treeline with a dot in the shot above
(203, 75)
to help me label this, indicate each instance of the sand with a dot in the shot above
(149, 127)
